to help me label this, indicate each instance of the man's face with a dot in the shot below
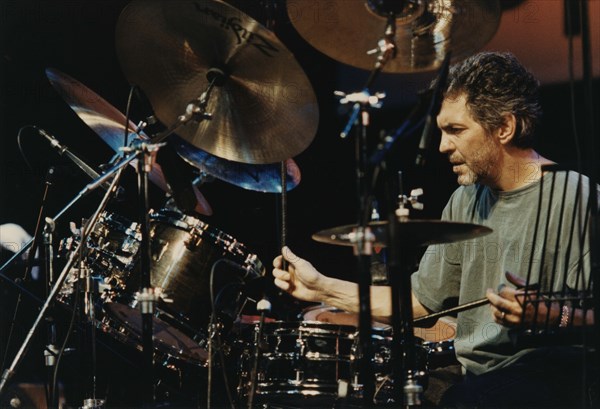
(473, 153)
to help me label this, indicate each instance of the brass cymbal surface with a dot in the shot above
(411, 232)
(109, 123)
(263, 108)
(347, 30)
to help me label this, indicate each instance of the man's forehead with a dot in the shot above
(453, 110)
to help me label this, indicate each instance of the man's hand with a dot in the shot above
(507, 304)
(301, 280)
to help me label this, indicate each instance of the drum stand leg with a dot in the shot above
(115, 173)
(263, 307)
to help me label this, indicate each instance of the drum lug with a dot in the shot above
(193, 240)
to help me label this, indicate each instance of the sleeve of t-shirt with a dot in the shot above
(438, 277)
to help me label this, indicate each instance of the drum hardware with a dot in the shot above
(115, 173)
(361, 237)
(263, 306)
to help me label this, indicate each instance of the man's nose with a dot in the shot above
(445, 145)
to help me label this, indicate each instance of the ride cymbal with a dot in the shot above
(411, 232)
(347, 30)
(109, 123)
(263, 107)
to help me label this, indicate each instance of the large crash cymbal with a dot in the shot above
(346, 30)
(411, 232)
(109, 123)
(264, 112)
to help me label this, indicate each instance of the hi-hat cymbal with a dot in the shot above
(265, 111)
(411, 232)
(109, 123)
(346, 30)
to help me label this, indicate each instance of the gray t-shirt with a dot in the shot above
(463, 271)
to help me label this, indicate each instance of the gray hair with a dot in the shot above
(496, 84)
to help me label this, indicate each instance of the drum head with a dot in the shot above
(167, 338)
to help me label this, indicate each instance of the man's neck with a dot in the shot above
(518, 168)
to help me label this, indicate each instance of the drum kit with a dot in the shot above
(238, 107)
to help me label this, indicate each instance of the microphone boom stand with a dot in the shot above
(116, 172)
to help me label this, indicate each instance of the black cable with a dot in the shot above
(213, 321)
(127, 116)
(21, 150)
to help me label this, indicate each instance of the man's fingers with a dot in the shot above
(281, 274)
(497, 301)
(284, 285)
(277, 261)
(289, 255)
(515, 279)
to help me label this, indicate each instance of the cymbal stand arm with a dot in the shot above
(116, 173)
(196, 109)
(386, 48)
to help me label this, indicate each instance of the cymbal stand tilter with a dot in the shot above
(113, 173)
(362, 238)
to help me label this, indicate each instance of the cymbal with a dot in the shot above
(346, 30)
(265, 110)
(109, 124)
(411, 232)
(261, 178)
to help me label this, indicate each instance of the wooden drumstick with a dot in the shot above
(469, 305)
(457, 309)
(283, 221)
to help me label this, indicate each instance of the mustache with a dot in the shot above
(455, 160)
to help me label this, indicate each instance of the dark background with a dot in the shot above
(78, 38)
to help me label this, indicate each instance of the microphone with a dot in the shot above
(64, 150)
(434, 110)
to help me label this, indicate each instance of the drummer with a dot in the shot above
(487, 120)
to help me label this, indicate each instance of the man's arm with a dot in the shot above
(304, 282)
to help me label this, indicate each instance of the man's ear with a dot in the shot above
(506, 132)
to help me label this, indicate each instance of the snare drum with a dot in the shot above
(302, 359)
(435, 349)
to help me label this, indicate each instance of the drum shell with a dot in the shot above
(299, 359)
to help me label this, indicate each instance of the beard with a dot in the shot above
(480, 168)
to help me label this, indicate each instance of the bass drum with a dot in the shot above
(189, 258)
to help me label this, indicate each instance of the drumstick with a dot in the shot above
(283, 169)
(468, 306)
(457, 309)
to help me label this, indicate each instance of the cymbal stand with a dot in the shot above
(147, 297)
(115, 173)
(362, 237)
